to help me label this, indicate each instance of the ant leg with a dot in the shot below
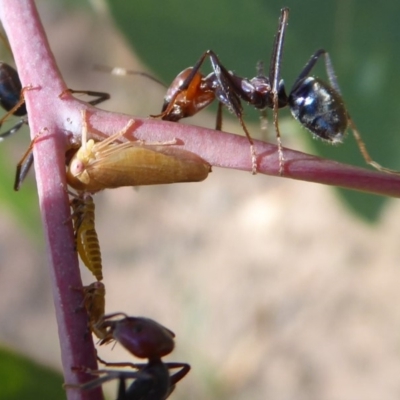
(252, 150)
(121, 388)
(13, 130)
(184, 369)
(278, 135)
(274, 77)
(335, 85)
(264, 123)
(311, 64)
(260, 70)
(101, 96)
(23, 167)
(175, 378)
(218, 121)
(357, 136)
(121, 364)
(227, 96)
(25, 163)
(109, 375)
(364, 152)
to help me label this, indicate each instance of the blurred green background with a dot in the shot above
(306, 304)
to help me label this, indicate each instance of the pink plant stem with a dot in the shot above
(36, 67)
(58, 121)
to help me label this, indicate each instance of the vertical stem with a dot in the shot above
(37, 68)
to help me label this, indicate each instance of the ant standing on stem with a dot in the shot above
(317, 105)
(144, 338)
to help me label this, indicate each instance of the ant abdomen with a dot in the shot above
(10, 89)
(320, 109)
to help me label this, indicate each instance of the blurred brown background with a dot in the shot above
(273, 288)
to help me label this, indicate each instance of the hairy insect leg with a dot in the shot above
(23, 167)
(109, 375)
(121, 364)
(100, 146)
(101, 96)
(357, 136)
(228, 96)
(274, 76)
(260, 70)
(364, 152)
(25, 163)
(278, 135)
(252, 150)
(335, 85)
(13, 130)
(177, 376)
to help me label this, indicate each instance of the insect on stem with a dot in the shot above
(109, 164)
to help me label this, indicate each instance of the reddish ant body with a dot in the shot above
(144, 338)
(317, 105)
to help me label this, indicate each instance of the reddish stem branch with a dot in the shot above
(57, 119)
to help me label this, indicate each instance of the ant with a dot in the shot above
(144, 338)
(317, 105)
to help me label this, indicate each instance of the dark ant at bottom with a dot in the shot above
(144, 338)
(317, 105)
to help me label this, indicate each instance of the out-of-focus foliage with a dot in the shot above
(22, 378)
(23, 204)
(363, 40)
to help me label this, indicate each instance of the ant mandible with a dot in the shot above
(144, 338)
(317, 105)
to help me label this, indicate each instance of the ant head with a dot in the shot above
(143, 337)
